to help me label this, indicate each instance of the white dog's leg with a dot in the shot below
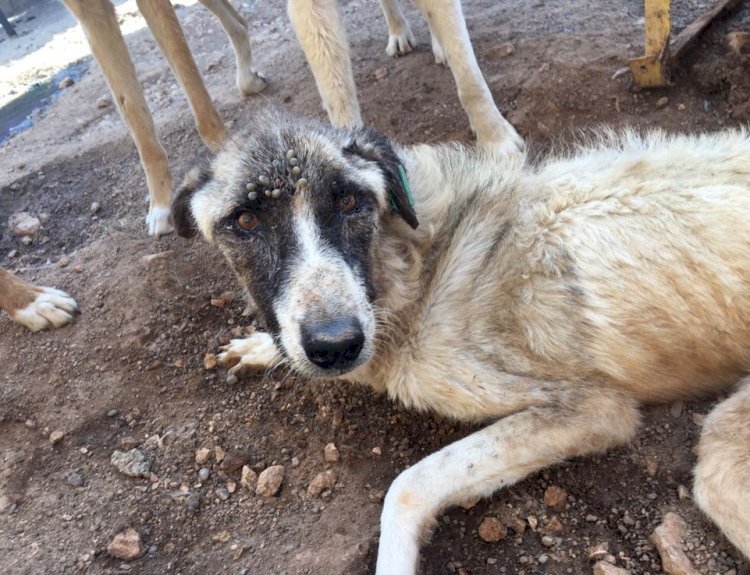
(495, 457)
(248, 80)
(722, 476)
(254, 353)
(323, 40)
(447, 26)
(163, 23)
(99, 22)
(400, 39)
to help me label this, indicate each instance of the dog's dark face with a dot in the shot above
(296, 208)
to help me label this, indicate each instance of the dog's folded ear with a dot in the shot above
(182, 216)
(376, 148)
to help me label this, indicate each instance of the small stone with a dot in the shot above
(738, 42)
(377, 451)
(661, 103)
(491, 530)
(518, 525)
(598, 551)
(23, 224)
(75, 480)
(698, 419)
(133, 463)
(321, 482)
(503, 50)
(128, 442)
(217, 302)
(56, 437)
(209, 360)
(469, 503)
(331, 453)
(233, 461)
(249, 479)
(381, 73)
(269, 481)
(555, 497)
(532, 521)
(604, 568)
(548, 541)
(683, 492)
(103, 102)
(681, 107)
(126, 545)
(676, 409)
(231, 486)
(193, 501)
(232, 379)
(27, 240)
(203, 474)
(219, 454)
(668, 539)
(202, 455)
(95, 207)
(652, 466)
(66, 82)
(222, 493)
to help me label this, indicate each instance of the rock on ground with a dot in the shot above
(133, 463)
(126, 545)
(604, 568)
(269, 481)
(491, 530)
(24, 224)
(668, 539)
(321, 482)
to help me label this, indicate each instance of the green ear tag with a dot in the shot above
(405, 185)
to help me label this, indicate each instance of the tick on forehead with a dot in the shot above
(271, 181)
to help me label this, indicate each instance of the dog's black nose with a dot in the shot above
(333, 344)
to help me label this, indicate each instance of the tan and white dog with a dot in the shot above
(550, 300)
(35, 307)
(319, 30)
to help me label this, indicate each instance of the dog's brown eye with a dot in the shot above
(247, 221)
(347, 202)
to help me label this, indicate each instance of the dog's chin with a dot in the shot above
(306, 368)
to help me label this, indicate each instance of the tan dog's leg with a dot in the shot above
(448, 27)
(99, 22)
(722, 476)
(323, 40)
(35, 307)
(400, 39)
(497, 456)
(248, 80)
(162, 21)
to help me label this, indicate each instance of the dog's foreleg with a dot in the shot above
(400, 39)
(448, 27)
(35, 307)
(248, 80)
(254, 353)
(495, 457)
(99, 23)
(323, 39)
(163, 23)
(722, 476)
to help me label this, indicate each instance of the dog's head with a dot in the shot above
(296, 208)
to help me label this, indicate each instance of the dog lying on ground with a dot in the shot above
(35, 307)
(323, 40)
(550, 300)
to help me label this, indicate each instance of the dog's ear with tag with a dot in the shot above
(375, 147)
(182, 216)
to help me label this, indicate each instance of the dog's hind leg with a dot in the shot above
(163, 23)
(323, 40)
(248, 80)
(400, 39)
(448, 28)
(722, 476)
(586, 421)
(99, 23)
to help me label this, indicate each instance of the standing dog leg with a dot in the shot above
(448, 28)
(323, 40)
(400, 39)
(497, 456)
(99, 23)
(35, 307)
(162, 21)
(722, 476)
(248, 80)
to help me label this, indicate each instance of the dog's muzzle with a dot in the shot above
(333, 344)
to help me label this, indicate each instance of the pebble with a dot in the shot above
(668, 538)
(321, 482)
(112, 413)
(202, 455)
(662, 103)
(128, 442)
(233, 461)
(95, 207)
(555, 497)
(331, 453)
(203, 474)
(548, 541)
(598, 551)
(604, 568)
(491, 530)
(269, 481)
(23, 224)
(75, 480)
(133, 463)
(126, 545)
(193, 501)
(56, 437)
(219, 454)
(381, 73)
(103, 102)
(222, 493)
(66, 82)
(249, 479)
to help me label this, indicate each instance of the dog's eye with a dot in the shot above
(346, 202)
(247, 221)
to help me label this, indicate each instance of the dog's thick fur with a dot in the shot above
(35, 307)
(549, 299)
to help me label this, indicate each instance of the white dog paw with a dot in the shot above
(250, 82)
(255, 353)
(51, 308)
(438, 52)
(501, 136)
(158, 221)
(401, 43)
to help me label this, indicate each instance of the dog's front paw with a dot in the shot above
(51, 308)
(400, 43)
(250, 82)
(251, 354)
(158, 221)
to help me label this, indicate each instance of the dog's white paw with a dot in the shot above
(438, 52)
(250, 82)
(400, 43)
(255, 353)
(51, 308)
(501, 136)
(158, 221)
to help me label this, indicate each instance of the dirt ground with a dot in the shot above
(130, 372)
